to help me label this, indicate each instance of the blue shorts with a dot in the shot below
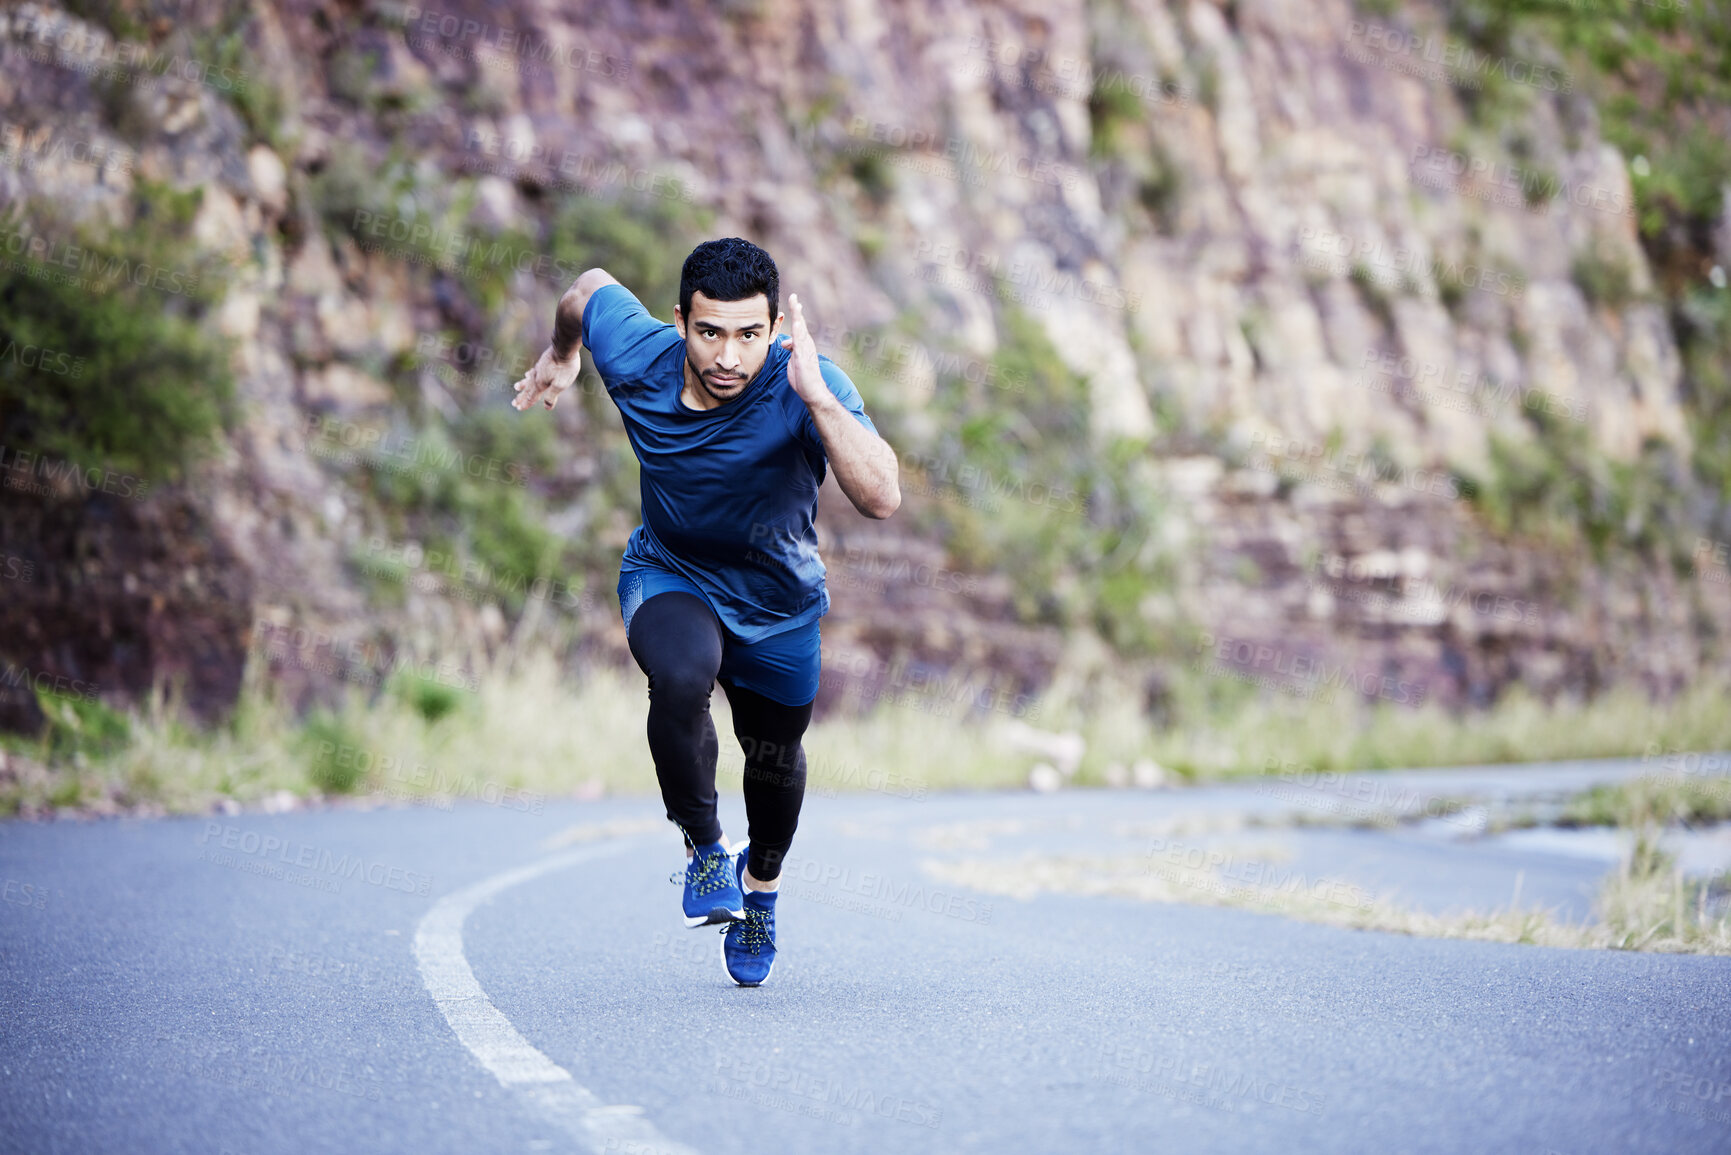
(783, 667)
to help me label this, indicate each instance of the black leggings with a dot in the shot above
(677, 642)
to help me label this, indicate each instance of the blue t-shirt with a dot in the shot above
(730, 493)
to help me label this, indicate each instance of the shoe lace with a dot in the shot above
(705, 873)
(754, 930)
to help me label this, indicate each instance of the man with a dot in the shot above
(734, 423)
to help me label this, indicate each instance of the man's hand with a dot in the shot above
(547, 379)
(559, 365)
(803, 371)
(863, 463)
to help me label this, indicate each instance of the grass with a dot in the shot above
(1653, 911)
(1223, 729)
(534, 728)
(533, 731)
(1646, 904)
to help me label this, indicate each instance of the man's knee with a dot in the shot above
(767, 754)
(682, 684)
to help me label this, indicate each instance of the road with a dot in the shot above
(480, 979)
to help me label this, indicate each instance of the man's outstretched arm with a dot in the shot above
(865, 466)
(557, 367)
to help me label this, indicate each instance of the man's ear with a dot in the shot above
(775, 326)
(679, 322)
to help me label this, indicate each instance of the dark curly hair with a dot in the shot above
(730, 269)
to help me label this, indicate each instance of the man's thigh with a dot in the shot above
(783, 667)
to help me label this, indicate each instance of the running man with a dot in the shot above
(734, 422)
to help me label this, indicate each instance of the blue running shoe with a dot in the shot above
(711, 887)
(748, 946)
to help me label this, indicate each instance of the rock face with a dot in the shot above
(1247, 226)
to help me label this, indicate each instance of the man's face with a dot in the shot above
(726, 343)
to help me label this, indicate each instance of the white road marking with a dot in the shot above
(490, 1037)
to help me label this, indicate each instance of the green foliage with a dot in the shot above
(1659, 73)
(1558, 485)
(1702, 320)
(1605, 280)
(427, 697)
(1666, 800)
(643, 243)
(1034, 501)
(468, 485)
(873, 175)
(1112, 107)
(331, 752)
(81, 727)
(1659, 77)
(350, 75)
(140, 387)
(122, 19)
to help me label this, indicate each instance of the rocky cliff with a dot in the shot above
(1217, 328)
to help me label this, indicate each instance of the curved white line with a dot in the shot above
(490, 1037)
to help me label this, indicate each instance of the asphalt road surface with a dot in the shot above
(481, 979)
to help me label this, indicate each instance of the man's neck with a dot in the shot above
(693, 394)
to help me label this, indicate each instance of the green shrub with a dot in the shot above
(642, 242)
(427, 697)
(144, 388)
(1605, 281)
(79, 726)
(333, 753)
